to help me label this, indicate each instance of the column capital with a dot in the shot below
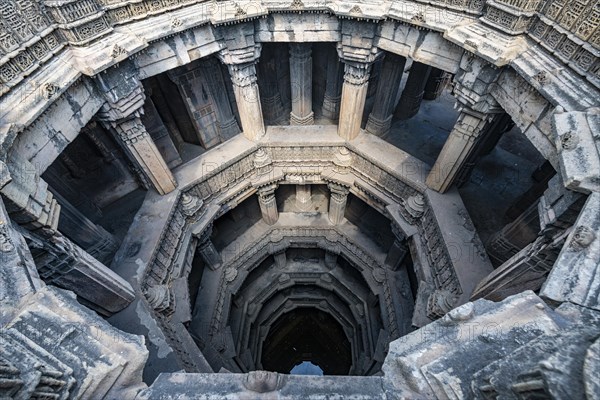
(130, 105)
(356, 74)
(244, 56)
(266, 191)
(338, 189)
(205, 235)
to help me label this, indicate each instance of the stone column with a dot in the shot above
(280, 259)
(330, 259)
(398, 250)
(93, 238)
(333, 88)
(268, 203)
(63, 263)
(227, 123)
(272, 103)
(159, 134)
(337, 202)
(247, 96)
(142, 151)
(354, 95)
(207, 249)
(380, 119)
(435, 84)
(456, 150)
(301, 84)
(410, 100)
(514, 236)
(303, 197)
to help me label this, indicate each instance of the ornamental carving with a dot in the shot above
(118, 51)
(582, 237)
(263, 381)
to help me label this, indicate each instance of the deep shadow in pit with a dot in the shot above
(307, 334)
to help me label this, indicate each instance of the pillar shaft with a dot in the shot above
(330, 259)
(303, 197)
(268, 204)
(143, 153)
(247, 96)
(301, 84)
(398, 250)
(380, 118)
(354, 95)
(333, 87)
(280, 259)
(160, 135)
(209, 254)
(410, 100)
(270, 96)
(206, 100)
(514, 236)
(91, 237)
(63, 263)
(207, 250)
(337, 202)
(435, 84)
(456, 150)
(227, 123)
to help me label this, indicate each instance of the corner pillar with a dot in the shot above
(337, 202)
(354, 96)
(268, 203)
(398, 250)
(457, 149)
(207, 249)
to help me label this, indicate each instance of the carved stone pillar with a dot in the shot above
(333, 87)
(456, 150)
(301, 84)
(93, 238)
(268, 203)
(227, 123)
(380, 118)
(247, 96)
(63, 263)
(280, 259)
(330, 259)
(268, 80)
(514, 236)
(354, 95)
(337, 202)
(203, 88)
(558, 210)
(410, 100)
(207, 250)
(435, 84)
(160, 135)
(303, 197)
(140, 147)
(398, 250)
